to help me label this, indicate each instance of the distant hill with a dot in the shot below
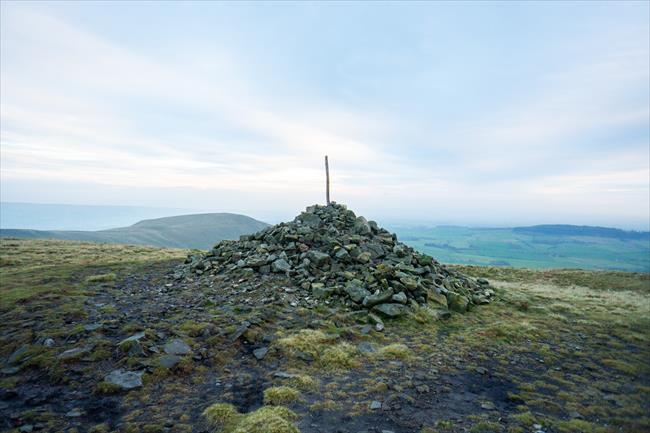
(571, 230)
(200, 231)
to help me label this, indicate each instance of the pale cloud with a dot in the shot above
(78, 106)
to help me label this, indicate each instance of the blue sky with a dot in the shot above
(467, 113)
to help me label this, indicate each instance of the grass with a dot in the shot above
(280, 395)
(31, 269)
(52, 279)
(268, 419)
(569, 347)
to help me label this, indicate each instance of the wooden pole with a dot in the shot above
(327, 180)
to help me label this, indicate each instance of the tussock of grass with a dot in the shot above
(341, 356)
(268, 419)
(279, 395)
(305, 382)
(486, 427)
(622, 366)
(395, 351)
(221, 414)
(101, 278)
(309, 341)
(321, 347)
(192, 328)
(31, 268)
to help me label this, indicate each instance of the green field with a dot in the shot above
(521, 249)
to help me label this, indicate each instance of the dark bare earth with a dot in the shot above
(557, 351)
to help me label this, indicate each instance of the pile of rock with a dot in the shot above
(332, 253)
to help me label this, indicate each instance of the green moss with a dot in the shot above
(99, 428)
(193, 329)
(395, 351)
(268, 419)
(486, 427)
(622, 366)
(279, 395)
(308, 341)
(525, 418)
(107, 388)
(221, 414)
(153, 428)
(578, 426)
(101, 278)
(304, 382)
(339, 357)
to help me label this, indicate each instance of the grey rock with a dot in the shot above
(92, 327)
(356, 290)
(27, 428)
(48, 342)
(457, 302)
(400, 298)
(177, 347)
(364, 257)
(366, 347)
(240, 331)
(342, 254)
(280, 265)
(380, 298)
(390, 310)
(134, 337)
(74, 413)
(260, 353)
(126, 380)
(310, 219)
(488, 405)
(169, 361)
(17, 356)
(75, 353)
(481, 370)
(318, 290)
(375, 405)
(318, 258)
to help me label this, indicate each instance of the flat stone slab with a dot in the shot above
(177, 347)
(169, 361)
(260, 353)
(77, 352)
(125, 379)
(134, 337)
(390, 310)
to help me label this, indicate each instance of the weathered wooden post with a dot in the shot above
(327, 180)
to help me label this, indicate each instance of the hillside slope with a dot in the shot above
(183, 231)
(102, 338)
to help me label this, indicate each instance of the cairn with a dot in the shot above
(338, 256)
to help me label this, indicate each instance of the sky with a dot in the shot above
(477, 113)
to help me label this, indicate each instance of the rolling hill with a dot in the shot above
(185, 231)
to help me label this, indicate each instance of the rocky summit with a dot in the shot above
(333, 255)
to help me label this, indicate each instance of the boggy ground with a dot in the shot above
(557, 351)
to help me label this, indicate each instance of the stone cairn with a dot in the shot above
(336, 255)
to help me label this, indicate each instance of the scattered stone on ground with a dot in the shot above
(125, 380)
(177, 347)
